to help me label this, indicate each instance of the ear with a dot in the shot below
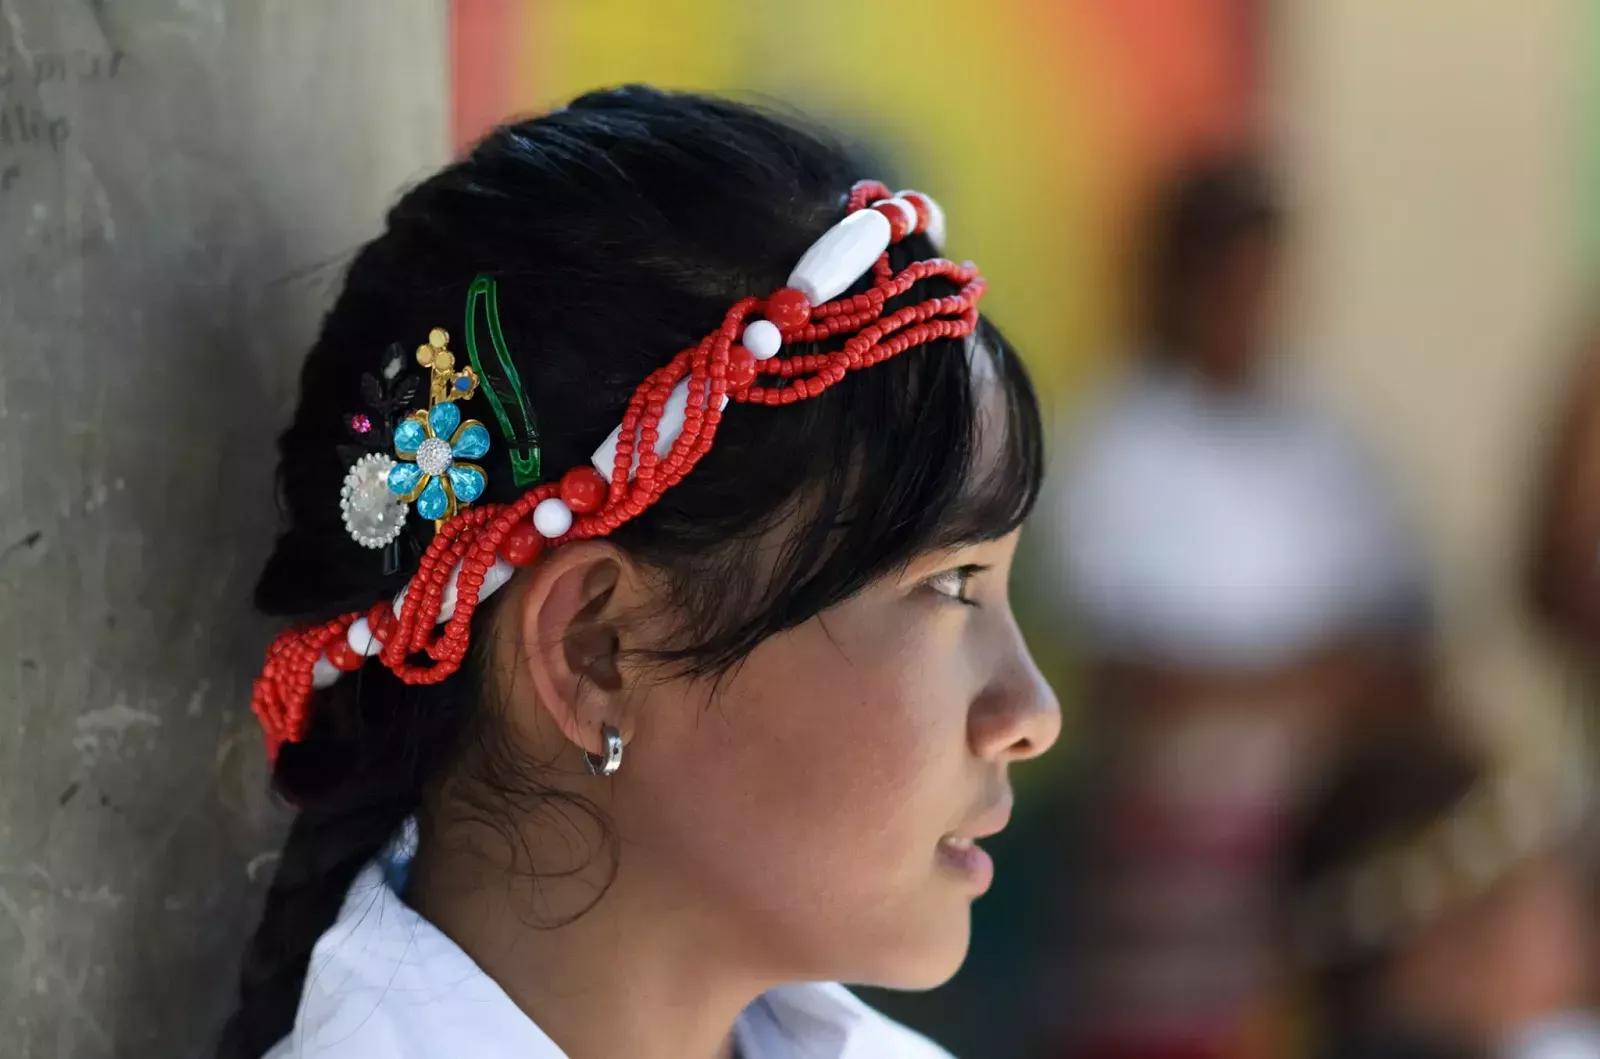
(571, 637)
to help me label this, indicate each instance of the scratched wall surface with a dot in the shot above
(180, 182)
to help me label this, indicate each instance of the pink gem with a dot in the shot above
(361, 423)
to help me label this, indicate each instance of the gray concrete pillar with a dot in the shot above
(181, 182)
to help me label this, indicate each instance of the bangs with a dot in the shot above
(939, 447)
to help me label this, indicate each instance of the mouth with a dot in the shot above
(967, 861)
(959, 852)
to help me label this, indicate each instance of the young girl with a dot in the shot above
(653, 648)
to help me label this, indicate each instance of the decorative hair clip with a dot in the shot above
(503, 385)
(433, 445)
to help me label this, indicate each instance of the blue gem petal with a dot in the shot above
(468, 483)
(403, 477)
(472, 443)
(434, 501)
(444, 417)
(407, 436)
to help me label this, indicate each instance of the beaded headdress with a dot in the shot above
(668, 425)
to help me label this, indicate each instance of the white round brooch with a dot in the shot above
(373, 514)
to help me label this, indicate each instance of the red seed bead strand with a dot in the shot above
(865, 192)
(281, 695)
(716, 367)
(899, 225)
(919, 202)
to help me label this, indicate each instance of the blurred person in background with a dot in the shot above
(1239, 580)
(1437, 908)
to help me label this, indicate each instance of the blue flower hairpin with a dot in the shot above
(434, 445)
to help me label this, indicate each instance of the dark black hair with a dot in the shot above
(1200, 216)
(620, 229)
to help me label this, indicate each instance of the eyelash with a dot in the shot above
(953, 583)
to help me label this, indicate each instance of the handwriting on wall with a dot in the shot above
(28, 127)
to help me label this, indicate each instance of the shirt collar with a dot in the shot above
(384, 982)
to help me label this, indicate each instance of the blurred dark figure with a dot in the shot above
(1248, 600)
(1438, 910)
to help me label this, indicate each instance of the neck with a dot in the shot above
(624, 973)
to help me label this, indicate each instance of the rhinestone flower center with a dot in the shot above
(433, 456)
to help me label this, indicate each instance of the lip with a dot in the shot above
(970, 862)
(959, 853)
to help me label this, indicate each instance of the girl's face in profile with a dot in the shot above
(819, 813)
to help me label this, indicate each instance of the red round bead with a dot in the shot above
(343, 658)
(788, 307)
(583, 490)
(899, 225)
(741, 367)
(522, 545)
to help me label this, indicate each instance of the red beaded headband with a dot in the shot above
(668, 426)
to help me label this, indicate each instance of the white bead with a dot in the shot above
(763, 339)
(324, 674)
(552, 517)
(667, 431)
(843, 255)
(908, 211)
(935, 229)
(361, 640)
(495, 577)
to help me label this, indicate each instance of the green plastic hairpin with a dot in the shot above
(503, 387)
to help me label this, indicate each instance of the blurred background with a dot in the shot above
(1308, 289)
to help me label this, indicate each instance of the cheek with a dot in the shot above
(834, 722)
(827, 768)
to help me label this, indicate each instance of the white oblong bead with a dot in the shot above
(552, 517)
(908, 211)
(763, 339)
(667, 431)
(843, 255)
(935, 229)
(324, 674)
(361, 640)
(495, 578)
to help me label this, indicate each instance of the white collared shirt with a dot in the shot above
(1571, 1035)
(384, 983)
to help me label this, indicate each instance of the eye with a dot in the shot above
(954, 583)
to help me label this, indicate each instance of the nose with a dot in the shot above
(1017, 716)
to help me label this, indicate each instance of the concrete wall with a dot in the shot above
(1436, 150)
(180, 182)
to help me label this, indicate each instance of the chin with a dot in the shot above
(924, 959)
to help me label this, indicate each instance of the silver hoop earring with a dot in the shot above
(607, 763)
